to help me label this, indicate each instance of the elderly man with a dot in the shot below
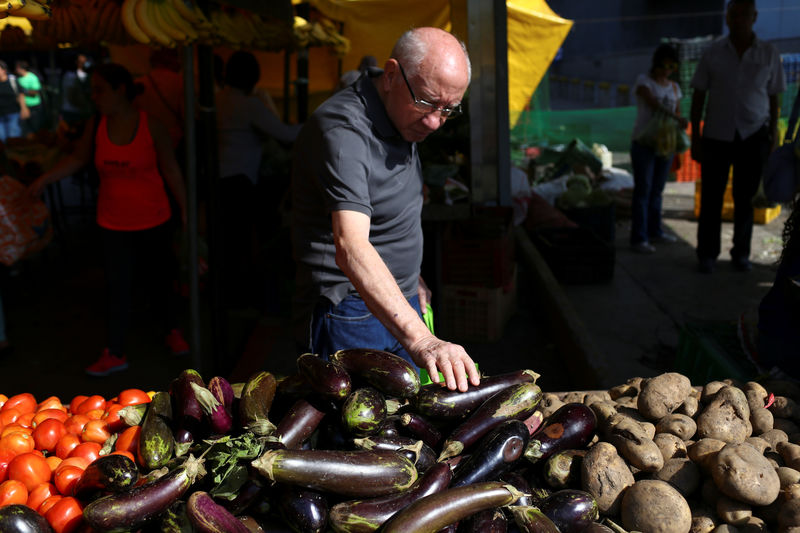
(357, 201)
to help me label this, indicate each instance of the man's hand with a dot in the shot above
(436, 355)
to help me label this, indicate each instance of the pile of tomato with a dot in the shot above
(45, 447)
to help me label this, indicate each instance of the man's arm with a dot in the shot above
(696, 115)
(362, 264)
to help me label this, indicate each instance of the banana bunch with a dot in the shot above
(243, 29)
(320, 33)
(165, 23)
(81, 22)
(32, 9)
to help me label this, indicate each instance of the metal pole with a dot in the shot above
(191, 205)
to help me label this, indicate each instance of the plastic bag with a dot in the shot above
(25, 225)
(661, 134)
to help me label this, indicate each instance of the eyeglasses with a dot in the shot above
(670, 65)
(427, 107)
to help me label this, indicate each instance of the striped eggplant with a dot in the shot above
(571, 426)
(494, 455)
(440, 403)
(530, 519)
(299, 422)
(255, 403)
(207, 516)
(363, 412)
(516, 402)
(329, 379)
(570, 510)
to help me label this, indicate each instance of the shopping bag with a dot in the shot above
(25, 225)
(661, 134)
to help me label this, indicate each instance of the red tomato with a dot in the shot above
(88, 450)
(13, 491)
(133, 397)
(3, 399)
(5, 457)
(128, 440)
(76, 401)
(53, 461)
(75, 423)
(44, 414)
(48, 503)
(24, 403)
(17, 442)
(53, 402)
(111, 417)
(14, 427)
(26, 419)
(66, 444)
(39, 494)
(80, 462)
(95, 401)
(47, 434)
(30, 468)
(66, 515)
(9, 416)
(95, 431)
(65, 478)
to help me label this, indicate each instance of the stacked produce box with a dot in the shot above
(355, 444)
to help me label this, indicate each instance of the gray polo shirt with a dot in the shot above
(738, 89)
(350, 157)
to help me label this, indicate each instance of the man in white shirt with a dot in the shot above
(742, 78)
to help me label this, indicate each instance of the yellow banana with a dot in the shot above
(10, 5)
(144, 19)
(171, 16)
(128, 16)
(32, 10)
(171, 30)
(186, 12)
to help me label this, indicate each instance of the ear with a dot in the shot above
(390, 71)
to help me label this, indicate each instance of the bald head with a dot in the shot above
(430, 49)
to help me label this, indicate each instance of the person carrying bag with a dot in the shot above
(782, 171)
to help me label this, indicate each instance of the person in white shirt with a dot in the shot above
(737, 83)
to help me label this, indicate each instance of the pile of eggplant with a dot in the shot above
(351, 444)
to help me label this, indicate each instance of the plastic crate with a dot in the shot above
(477, 313)
(480, 251)
(575, 255)
(709, 351)
(761, 215)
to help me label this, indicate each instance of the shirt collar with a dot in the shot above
(376, 110)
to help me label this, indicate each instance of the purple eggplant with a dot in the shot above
(421, 428)
(415, 451)
(387, 372)
(219, 417)
(304, 510)
(570, 510)
(563, 469)
(494, 455)
(532, 520)
(187, 413)
(207, 516)
(570, 427)
(18, 518)
(222, 391)
(255, 403)
(364, 411)
(299, 422)
(518, 481)
(326, 378)
(486, 521)
(437, 402)
(516, 402)
(364, 516)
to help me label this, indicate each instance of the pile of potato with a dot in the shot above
(672, 458)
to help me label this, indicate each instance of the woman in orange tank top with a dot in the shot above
(136, 164)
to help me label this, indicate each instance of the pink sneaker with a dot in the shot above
(107, 364)
(176, 343)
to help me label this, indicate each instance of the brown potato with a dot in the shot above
(733, 512)
(761, 419)
(549, 404)
(689, 406)
(773, 437)
(758, 443)
(670, 445)
(790, 453)
(633, 443)
(654, 506)
(703, 519)
(741, 473)
(784, 407)
(679, 425)
(726, 418)
(629, 388)
(605, 476)
(754, 525)
(785, 425)
(704, 451)
(754, 399)
(603, 411)
(663, 394)
(682, 474)
(787, 476)
(710, 390)
(789, 515)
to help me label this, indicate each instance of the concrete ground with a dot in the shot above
(631, 326)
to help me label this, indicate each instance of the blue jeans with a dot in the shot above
(650, 173)
(351, 325)
(9, 126)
